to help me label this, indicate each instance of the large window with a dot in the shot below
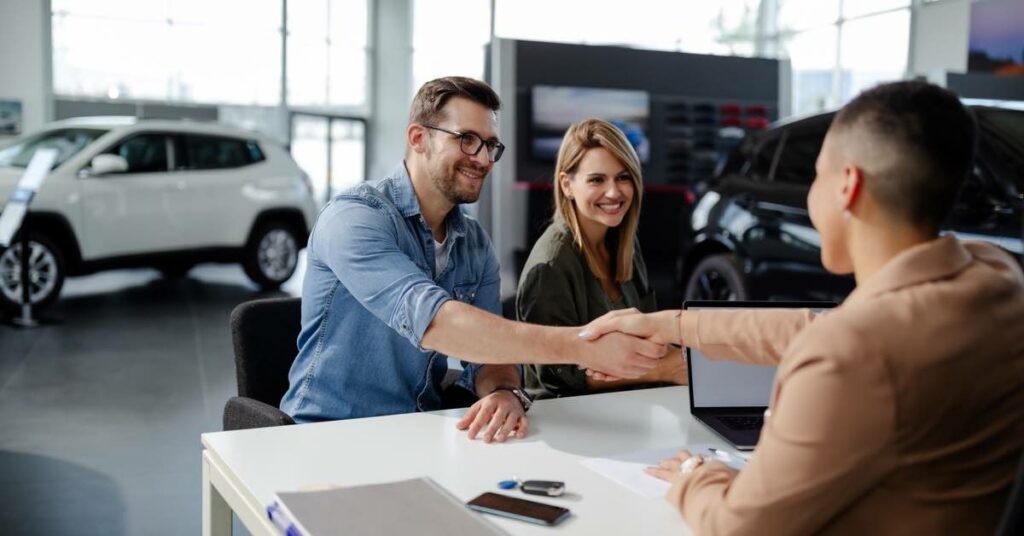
(327, 52)
(441, 48)
(213, 52)
(872, 50)
(723, 27)
(185, 50)
(839, 48)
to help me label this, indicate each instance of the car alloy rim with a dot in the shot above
(712, 285)
(277, 255)
(42, 272)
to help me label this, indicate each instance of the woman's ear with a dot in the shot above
(563, 183)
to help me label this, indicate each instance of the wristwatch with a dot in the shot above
(524, 398)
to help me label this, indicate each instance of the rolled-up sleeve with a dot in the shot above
(358, 242)
(488, 298)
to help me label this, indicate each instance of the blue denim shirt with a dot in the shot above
(369, 294)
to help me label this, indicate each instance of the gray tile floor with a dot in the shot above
(100, 415)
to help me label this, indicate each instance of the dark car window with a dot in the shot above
(145, 153)
(1001, 148)
(796, 162)
(215, 152)
(764, 157)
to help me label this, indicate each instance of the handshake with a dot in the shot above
(627, 344)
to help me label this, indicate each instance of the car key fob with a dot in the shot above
(548, 488)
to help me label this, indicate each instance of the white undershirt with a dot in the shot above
(440, 255)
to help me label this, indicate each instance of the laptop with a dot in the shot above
(730, 397)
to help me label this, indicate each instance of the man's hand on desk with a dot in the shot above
(495, 417)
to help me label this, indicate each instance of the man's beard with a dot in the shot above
(447, 182)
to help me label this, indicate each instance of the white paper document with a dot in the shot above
(628, 469)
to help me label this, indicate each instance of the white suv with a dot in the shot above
(166, 194)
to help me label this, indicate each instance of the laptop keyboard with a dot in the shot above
(751, 422)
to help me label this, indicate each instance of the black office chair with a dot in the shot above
(263, 333)
(1013, 517)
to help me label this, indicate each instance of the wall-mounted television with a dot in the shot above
(997, 37)
(555, 108)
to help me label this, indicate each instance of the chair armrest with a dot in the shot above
(241, 413)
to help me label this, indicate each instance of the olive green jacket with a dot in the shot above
(557, 288)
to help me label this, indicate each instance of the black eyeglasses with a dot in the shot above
(471, 143)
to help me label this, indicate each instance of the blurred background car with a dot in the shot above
(165, 194)
(752, 238)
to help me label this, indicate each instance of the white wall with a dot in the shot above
(25, 63)
(939, 38)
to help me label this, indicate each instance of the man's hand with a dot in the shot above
(620, 355)
(622, 333)
(497, 416)
(670, 369)
(661, 327)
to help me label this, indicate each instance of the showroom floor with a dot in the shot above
(100, 415)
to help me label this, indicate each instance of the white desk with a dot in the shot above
(242, 470)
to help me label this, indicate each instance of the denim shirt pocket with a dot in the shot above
(466, 292)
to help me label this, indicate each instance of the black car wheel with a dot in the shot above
(717, 277)
(174, 270)
(45, 273)
(272, 255)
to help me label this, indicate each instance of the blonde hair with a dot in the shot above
(580, 138)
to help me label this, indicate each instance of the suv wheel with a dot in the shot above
(46, 273)
(271, 256)
(174, 270)
(717, 277)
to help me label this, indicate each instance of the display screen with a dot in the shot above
(721, 383)
(555, 108)
(728, 384)
(997, 37)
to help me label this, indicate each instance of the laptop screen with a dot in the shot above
(728, 384)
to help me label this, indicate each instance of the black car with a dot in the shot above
(752, 238)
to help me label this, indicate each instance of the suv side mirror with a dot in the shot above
(104, 164)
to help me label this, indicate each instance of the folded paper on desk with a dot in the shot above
(418, 506)
(628, 469)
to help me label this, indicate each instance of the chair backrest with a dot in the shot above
(264, 334)
(1013, 518)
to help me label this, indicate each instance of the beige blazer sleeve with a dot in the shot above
(806, 468)
(755, 336)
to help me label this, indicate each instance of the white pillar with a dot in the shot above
(939, 40)
(26, 64)
(390, 90)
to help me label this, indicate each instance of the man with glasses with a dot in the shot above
(398, 279)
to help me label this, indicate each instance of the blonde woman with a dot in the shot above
(588, 262)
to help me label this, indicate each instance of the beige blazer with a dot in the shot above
(899, 412)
